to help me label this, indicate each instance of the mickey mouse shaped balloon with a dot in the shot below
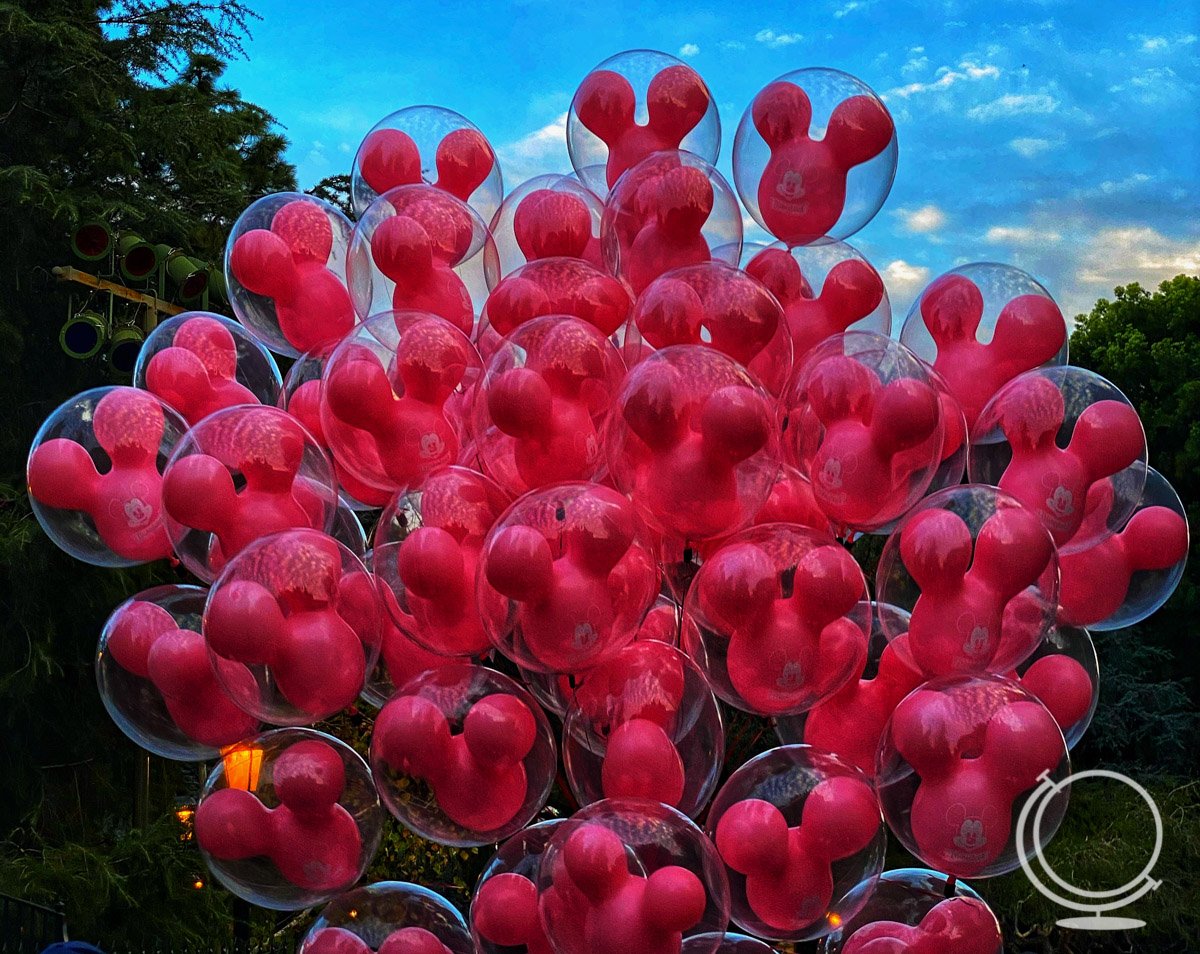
(156, 681)
(979, 574)
(504, 907)
(200, 363)
(463, 756)
(604, 135)
(1064, 675)
(548, 216)
(670, 210)
(644, 724)
(428, 144)
(574, 574)
(239, 475)
(1125, 577)
(980, 326)
(781, 823)
(289, 819)
(801, 188)
(285, 265)
(691, 441)
(863, 419)
(631, 875)
(95, 475)
(541, 408)
(427, 549)
(302, 612)
(779, 622)
(395, 396)
(959, 758)
(825, 290)
(418, 248)
(1048, 437)
(718, 305)
(388, 917)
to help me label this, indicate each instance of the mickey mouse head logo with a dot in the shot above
(585, 635)
(971, 831)
(970, 835)
(1061, 502)
(791, 186)
(432, 446)
(137, 513)
(978, 640)
(791, 676)
(831, 473)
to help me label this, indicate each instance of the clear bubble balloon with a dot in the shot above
(156, 682)
(548, 216)
(959, 758)
(388, 917)
(286, 270)
(427, 551)
(94, 475)
(850, 722)
(824, 289)
(727, 943)
(797, 829)
(1048, 437)
(239, 475)
(691, 440)
(504, 906)
(302, 612)
(565, 577)
(630, 875)
(917, 909)
(779, 623)
(1064, 674)
(863, 419)
(717, 304)
(979, 574)
(634, 104)
(1124, 578)
(541, 408)
(814, 156)
(670, 210)
(427, 144)
(395, 399)
(644, 724)
(980, 325)
(418, 248)
(463, 756)
(289, 819)
(199, 362)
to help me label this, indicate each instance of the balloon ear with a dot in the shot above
(958, 918)
(212, 343)
(752, 837)
(262, 263)
(907, 413)
(134, 633)
(198, 492)
(549, 223)
(514, 301)
(505, 910)
(738, 583)
(335, 941)
(1108, 437)
(935, 547)
(430, 564)
(674, 900)
(1062, 685)
(840, 388)
(1012, 550)
(1030, 330)
(1021, 742)
(595, 861)
(309, 776)
(653, 411)
(499, 730)
(734, 424)
(952, 308)
(676, 101)
(232, 824)
(685, 201)
(782, 113)
(781, 275)
(1156, 538)
(358, 392)
(1031, 411)
(827, 584)
(840, 817)
(859, 129)
(389, 158)
(464, 161)
(129, 424)
(178, 376)
(927, 732)
(852, 290)
(241, 622)
(605, 104)
(520, 403)
(62, 474)
(306, 229)
(519, 564)
(413, 736)
(602, 301)
(670, 312)
(401, 249)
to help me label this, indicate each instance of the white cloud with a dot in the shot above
(928, 218)
(776, 40)
(541, 151)
(848, 8)
(1122, 254)
(1151, 44)
(917, 61)
(688, 49)
(732, 45)
(1020, 235)
(946, 78)
(904, 282)
(1113, 187)
(1014, 104)
(1031, 147)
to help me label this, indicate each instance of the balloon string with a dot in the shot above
(951, 881)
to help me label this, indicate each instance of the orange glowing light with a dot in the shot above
(197, 884)
(242, 764)
(835, 920)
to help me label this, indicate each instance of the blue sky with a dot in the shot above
(1060, 137)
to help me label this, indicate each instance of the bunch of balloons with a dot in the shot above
(622, 457)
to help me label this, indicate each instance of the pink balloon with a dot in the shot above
(197, 374)
(551, 224)
(953, 926)
(505, 913)
(558, 286)
(1062, 685)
